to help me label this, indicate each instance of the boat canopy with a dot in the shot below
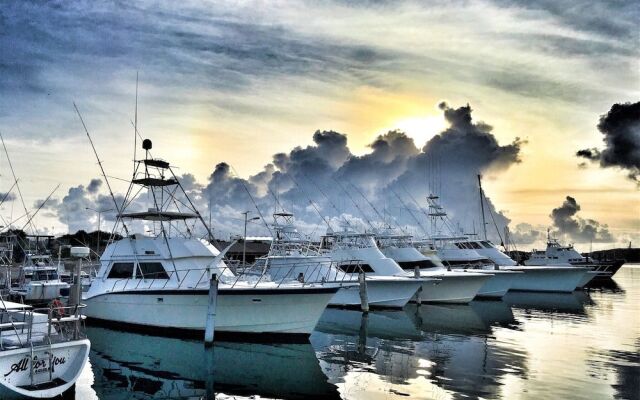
(148, 181)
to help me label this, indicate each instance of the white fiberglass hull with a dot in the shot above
(251, 311)
(588, 277)
(392, 292)
(55, 369)
(547, 279)
(453, 287)
(498, 285)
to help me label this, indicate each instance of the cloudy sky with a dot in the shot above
(510, 89)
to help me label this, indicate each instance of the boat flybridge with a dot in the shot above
(38, 281)
(457, 285)
(292, 256)
(557, 254)
(42, 351)
(160, 281)
(542, 278)
(354, 252)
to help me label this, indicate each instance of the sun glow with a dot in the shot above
(421, 129)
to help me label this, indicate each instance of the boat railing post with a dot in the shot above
(416, 274)
(211, 311)
(364, 300)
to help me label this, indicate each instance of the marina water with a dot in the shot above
(583, 345)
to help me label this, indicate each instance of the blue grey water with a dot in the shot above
(584, 345)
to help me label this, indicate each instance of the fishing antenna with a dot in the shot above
(253, 201)
(16, 181)
(8, 193)
(328, 198)
(40, 207)
(355, 204)
(310, 202)
(104, 175)
(135, 128)
(408, 209)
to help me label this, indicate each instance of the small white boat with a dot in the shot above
(42, 351)
(160, 282)
(38, 281)
(454, 286)
(293, 257)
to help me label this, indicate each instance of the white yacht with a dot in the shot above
(293, 257)
(352, 252)
(456, 286)
(38, 281)
(160, 282)
(557, 254)
(489, 250)
(42, 351)
(537, 279)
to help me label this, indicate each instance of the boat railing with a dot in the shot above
(318, 272)
(34, 327)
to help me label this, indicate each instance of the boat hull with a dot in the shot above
(588, 277)
(382, 293)
(547, 279)
(252, 311)
(68, 359)
(452, 287)
(498, 285)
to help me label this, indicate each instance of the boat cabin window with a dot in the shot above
(121, 270)
(151, 270)
(44, 276)
(355, 268)
(410, 265)
(486, 245)
(474, 245)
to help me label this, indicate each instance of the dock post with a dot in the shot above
(211, 311)
(416, 274)
(364, 300)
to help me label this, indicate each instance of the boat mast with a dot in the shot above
(484, 224)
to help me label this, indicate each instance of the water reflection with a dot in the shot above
(130, 365)
(567, 303)
(447, 347)
(531, 345)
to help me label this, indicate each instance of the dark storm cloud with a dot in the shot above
(4, 196)
(94, 186)
(393, 164)
(330, 175)
(621, 129)
(566, 222)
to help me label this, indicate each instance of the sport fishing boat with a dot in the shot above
(456, 286)
(352, 252)
(42, 351)
(557, 254)
(293, 257)
(38, 281)
(160, 281)
(537, 279)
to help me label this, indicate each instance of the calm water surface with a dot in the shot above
(583, 345)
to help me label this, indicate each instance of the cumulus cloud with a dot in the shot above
(567, 222)
(525, 234)
(621, 129)
(329, 175)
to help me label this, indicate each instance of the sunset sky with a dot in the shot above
(238, 82)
